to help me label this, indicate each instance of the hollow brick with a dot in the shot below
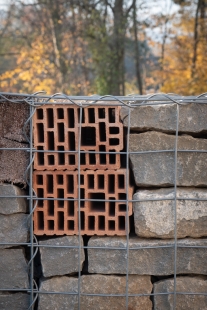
(98, 216)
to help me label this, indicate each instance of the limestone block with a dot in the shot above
(157, 218)
(12, 205)
(17, 301)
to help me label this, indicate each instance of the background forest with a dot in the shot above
(103, 46)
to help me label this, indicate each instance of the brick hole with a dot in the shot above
(40, 220)
(82, 196)
(50, 184)
(111, 183)
(82, 158)
(61, 156)
(114, 130)
(60, 113)
(101, 113)
(100, 181)
(39, 179)
(60, 216)
(83, 116)
(50, 207)
(111, 206)
(121, 181)
(50, 225)
(111, 225)
(71, 208)
(121, 222)
(102, 157)
(60, 195)
(92, 159)
(70, 184)
(90, 181)
(50, 118)
(70, 225)
(39, 113)
(40, 194)
(60, 128)
(91, 115)
(59, 179)
(88, 136)
(102, 132)
(82, 220)
(122, 196)
(122, 207)
(113, 141)
(71, 159)
(112, 118)
(51, 160)
(112, 158)
(71, 118)
(50, 140)
(40, 156)
(71, 141)
(40, 133)
(81, 179)
(91, 222)
(98, 203)
(101, 222)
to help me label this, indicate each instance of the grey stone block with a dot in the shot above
(12, 205)
(95, 284)
(13, 269)
(17, 301)
(156, 218)
(183, 301)
(13, 228)
(61, 261)
(144, 260)
(157, 169)
(162, 117)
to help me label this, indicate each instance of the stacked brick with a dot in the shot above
(78, 168)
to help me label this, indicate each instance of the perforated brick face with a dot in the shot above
(98, 216)
(56, 128)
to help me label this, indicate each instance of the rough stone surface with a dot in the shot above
(13, 269)
(162, 117)
(17, 301)
(146, 261)
(13, 228)
(157, 169)
(156, 218)
(185, 302)
(12, 205)
(60, 261)
(95, 284)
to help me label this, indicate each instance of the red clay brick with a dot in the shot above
(56, 217)
(56, 127)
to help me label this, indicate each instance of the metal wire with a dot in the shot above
(131, 101)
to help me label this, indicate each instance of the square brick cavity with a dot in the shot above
(56, 128)
(100, 213)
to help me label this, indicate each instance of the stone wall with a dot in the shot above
(100, 270)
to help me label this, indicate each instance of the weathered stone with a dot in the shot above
(13, 228)
(13, 164)
(61, 261)
(12, 205)
(143, 260)
(95, 284)
(156, 218)
(162, 117)
(13, 269)
(184, 285)
(17, 301)
(58, 301)
(158, 169)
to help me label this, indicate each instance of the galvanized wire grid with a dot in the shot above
(39, 99)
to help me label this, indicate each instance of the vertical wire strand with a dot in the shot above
(175, 209)
(127, 211)
(79, 204)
